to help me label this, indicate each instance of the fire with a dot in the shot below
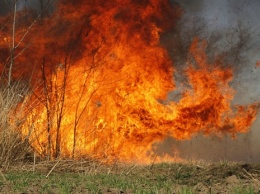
(257, 64)
(103, 90)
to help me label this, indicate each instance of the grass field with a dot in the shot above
(93, 177)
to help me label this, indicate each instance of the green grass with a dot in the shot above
(156, 179)
(99, 183)
(248, 190)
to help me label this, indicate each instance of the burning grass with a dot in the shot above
(101, 84)
(102, 80)
(13, 147)
(20, 175)
(94, 177)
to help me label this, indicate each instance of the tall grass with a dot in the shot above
(13, 147)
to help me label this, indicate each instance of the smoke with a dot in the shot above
(7, 6)
(37, 6)
(230, 27)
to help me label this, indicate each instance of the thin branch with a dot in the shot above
(52, 168)
(13, 44)
(27, 31)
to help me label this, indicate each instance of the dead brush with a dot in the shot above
(13, 147)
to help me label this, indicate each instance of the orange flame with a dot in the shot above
(104, 98)
(257, 64)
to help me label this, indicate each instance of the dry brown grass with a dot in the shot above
(13, 147)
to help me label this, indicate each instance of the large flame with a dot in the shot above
(104, 81)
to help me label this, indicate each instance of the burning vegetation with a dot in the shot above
(99, 81)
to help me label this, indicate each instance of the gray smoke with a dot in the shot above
(221, 23)
(38, 6)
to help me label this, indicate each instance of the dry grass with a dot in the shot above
(13, 147)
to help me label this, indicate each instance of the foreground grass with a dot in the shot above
(76, 183)
(159, 178)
